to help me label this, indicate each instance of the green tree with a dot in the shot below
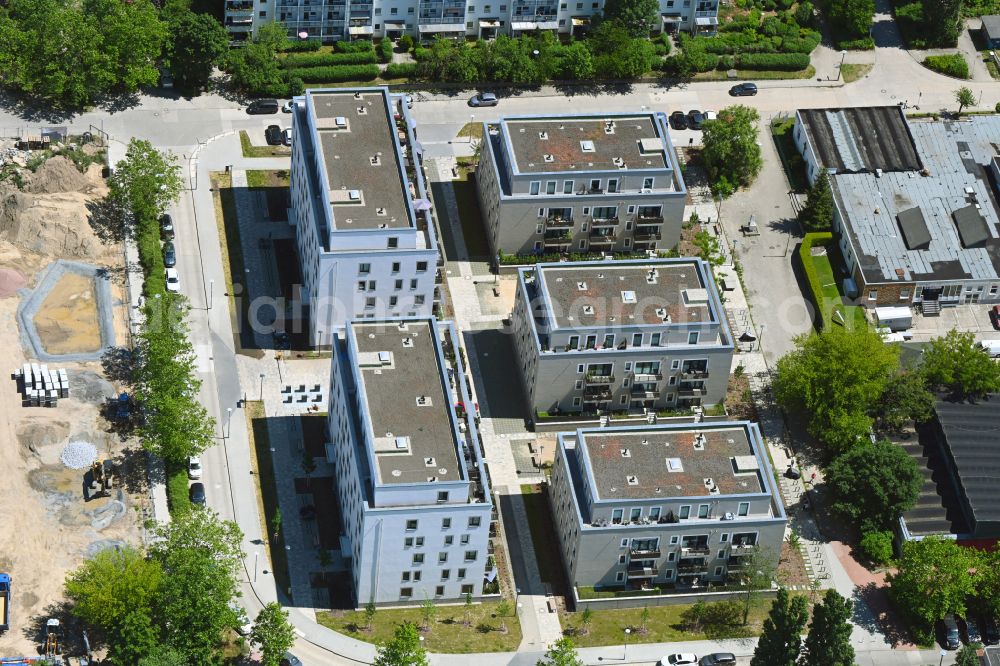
(955, 363)
(967, 656)
(829, 640)
(118, 591)
(729, 147)
(759, 569)
(933, 579)
(906, 398)
(197, 43)
(254, 67)
(403, 648)
(988, 581)
(877, 546)
(586, 618)
(132, 39)
(370, 611)
(965, 97)
(617, 55)
(942, 22)
(644, 620)
(272, 633)
(781, 637)
(817, 213)
(561, 653)
(834, 377)
(708, 248)
(503, 610)
(638, 17)
(804, 14)
(577, 62)
(872, 484)
(428, 612)
(146, 180)
(163, 656)
(201, 556)
(852, 17)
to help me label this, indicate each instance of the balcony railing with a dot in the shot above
(559, 222)
(599, 379)
(648, 377)
(604, 222)
(643, 235)
(694, 550)
(691, 393)
(742, 549)
(645, 394)
(597, 393)
(694, 374)
(692, 568)
(736, 564)
(602, 239)
(639, 553)
(644, 220)
(643, 572)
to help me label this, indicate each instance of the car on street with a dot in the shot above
(197, 494)
(286, 136)
(995, 316)
(991, 635)
(711, 115)
(717, 659)
(166, 227)
(409, 101)
(290, 659)
(678, 120)
(743, 90)
(262, 106)
(173, 281)
(243, 624)
(169, 255)
(288, 107)
(194, 468)
(273, 135)
(972, 634)
(695, 118)
(951, 639)
(677, 659)
(484, 99)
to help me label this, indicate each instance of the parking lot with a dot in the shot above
(972, 318)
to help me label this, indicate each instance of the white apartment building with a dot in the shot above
(361, 211)
(410, 475)
(334, 20)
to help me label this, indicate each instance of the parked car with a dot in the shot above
(718, 658)
(995, 316)
(290, 659)
(286, 136)
(166, 227)
(695, 118)
(676, 659)
(950, 638)
(273, 135)
(678, 120)
(288, 107)
(197, 494)
(743, 90)
(194, 468)
(173, 281)
(991, 634)
(243, 624)
(711, 115)
(484, 99)
(169, 255)
(972, 634)
(262, 106)
(409, 101)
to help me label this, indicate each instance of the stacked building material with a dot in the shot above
(40, 386)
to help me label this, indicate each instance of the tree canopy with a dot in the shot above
(817, 213)
(273, 633)
(561, 653)
(942, 20)
(829, 640)
(933, 579)
(196, 44)
(956, 364)
(781, 637)
(906, 398)
(147, 181)
(853, 18)
(873, 484)
(403, 648)
(255, 67)
(730, 151)
(638, 17)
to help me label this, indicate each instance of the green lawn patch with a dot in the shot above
(250, 150)
(543, 534)
(953, 65)
(762, 75)
(852, 73)
(472, 131)
(267, 491)
(261, 178)
(469, 214)
(178, 499)
(448, 632)
(824, 283)
(795, 167)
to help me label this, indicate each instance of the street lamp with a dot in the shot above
(517, 595)
(211, 292)
(472, 121)
(229, 420)
(840, 68)
(261, 398)
(625, 651)
(943, 654)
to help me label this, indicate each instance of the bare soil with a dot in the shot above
(67, 318)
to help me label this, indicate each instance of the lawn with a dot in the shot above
(471, 130)
(448, 632)
(543, 534)
(829, 283)
(267, 495)
(664, 625)
(260, 178)
(752, 74)
(250, 150)
(852, 73)
(470, 216)
(795, 168)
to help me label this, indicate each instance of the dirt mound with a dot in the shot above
(49, 224)
(56, 175)
(38, 435)
(10, 281)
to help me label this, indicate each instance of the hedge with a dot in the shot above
(809, 268)
(360, 46)
(300, 45)
(789, 62)
(178, 499)
(385, 50)
(335, 74)
(400, 70)
(949, 65)
(860, 44)
(328, 59)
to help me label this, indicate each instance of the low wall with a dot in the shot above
(570, 423)
(671, 599)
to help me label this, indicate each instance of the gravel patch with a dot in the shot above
(78, 455)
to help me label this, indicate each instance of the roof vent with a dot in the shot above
(645, 442)
(663, 314)
(362, 110)
(402, 443)
(549, 158)
(430, 462)
(618, 162)
(424, 401)
(609, 127)
(587, 146)
(632, 480)
(402, 326)
(588, 309)
(699, 442)
(354, 195)
(431, 479)
(375, 160)
(626, 453)
(340, 122)
(357, 95)
(408, 342)
(543, 135)
(675, 465)
(709, 482)
(582, 286)
(652, 275)
(628, 297)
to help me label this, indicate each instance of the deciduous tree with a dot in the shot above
(638, 17)
(829, 640)
(617, 55)
(197, 43)
(942, 21)
(906, 398)
(403, 648)
(873, 483)
(853, 17)
(163, 656)
(933, 579)
(272, 633)
(730, 150)
(955, 363)
(561, 653)
(146, 180)
(781, 638)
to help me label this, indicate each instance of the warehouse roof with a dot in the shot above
(970, 432)
(860, 139)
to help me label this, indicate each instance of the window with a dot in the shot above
(465, 539)
(595, 185)
(411, 525)
(620, 576)
(445, 574)
(724, 538)
(718, 571)
(550, 187)
(443, 496)
(395, 267)
(623, 543)
(669, 575)
(406, 577)
(475, 521)
(442, 557)
(674, 540)
(612, 185)
(675, 364)
(534, 187)
(420, 542)
(693, 337)
(637, 339)
(408, 542)
(654, 513)
(409, 10)
(418, 558)
(538, 245)
(578, 385)
(684, 513)
(904, 294)
(467, 589)
(574, 343)
(616, 516)
(873, 294)
(398, 285)
(364, 269)
(621, 559)
(721, 555)
(634, 515)
(672, 555)
(576, 402)
(609, 341)
(445, 523)
(461, 574)
(541, 213)
(418, 299)
(654, 340)
(369, 303)
(413, 284)
(647, 183)
(449, 540)
(470, 555)
(421, 266)
(439, 591)
(405, 592)
(703, 511)
(744, 509)
(393, 300)
(579, 368)
(362, 285)
(392, 11)
(393, 242)
(567, 187)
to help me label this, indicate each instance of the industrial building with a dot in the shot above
(361, 210)
(679, 508)
(410, 474)
(640, 336)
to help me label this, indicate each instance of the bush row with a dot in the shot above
(949, 65)
(385, 50)
(809, 268)
(400, 70)
(360, 46)
(297, 45)
(328, 59)
(178, 499)
(335, 74)
(861, 44)
(788, 62)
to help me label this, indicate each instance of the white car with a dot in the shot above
(173, 282)
(674, 659)
(288, 107)
(286, 136)
(194, 467)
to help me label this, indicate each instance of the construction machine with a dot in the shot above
(102, 477)
(52, 644)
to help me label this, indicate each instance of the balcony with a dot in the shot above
(695, 550)
(646, 552)
(644, 220)
(239, 7)
(602, 239)
(239, 20)
(598, 379)
(645, 393)
(647, 377)
(736, 564)
(643, 572)
(694, 373)
(690, 568)
(604, 222)
(691, 393)
(643, 235)
(558, 222)
(742, 549)
(597, 393)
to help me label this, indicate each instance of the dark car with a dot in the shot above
(991, 635)
(971, 631)
(695, 118)
(263, 106)
(678, 120)
(743, 90)
(995, 316)
(484, 99)
(197, 493)
(289, 659)
(169, 255)
(718, 658)
(166, 227)
(273, 135)
(951, 639)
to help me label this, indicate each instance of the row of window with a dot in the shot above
(474, 521)
(418, 542)
(637, 339)
(417, 575)
(594, 186)
(689, 540)
(683, 513)
(600, 212)
(470, 556)
(366, 268)
(407, 592)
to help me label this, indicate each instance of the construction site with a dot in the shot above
(75, 481)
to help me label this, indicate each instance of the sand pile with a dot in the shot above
(10, 281)
(49, 224)
(57, 174)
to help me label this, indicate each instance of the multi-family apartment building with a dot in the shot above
(605, 336)
(675, 507)
(361, 211)
(410, 477)
(563, 184)
(336, 20)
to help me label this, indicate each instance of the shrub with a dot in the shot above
(177, 492)
(804, 14)
(335, 74)
(420, 54)
(400, 70)
(295, 86)
(877, 546)
(726, 62)
(950, 65)
(861, 44)
(789, 62)
(360, 46)
(328, 59)
(701, 62)
(809, 268)
(996, 108)
(406, 42)
(293, 45)
(385, 50)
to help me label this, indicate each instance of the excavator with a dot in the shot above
(102, 478)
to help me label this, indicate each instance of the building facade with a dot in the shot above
(410, 477)
(562, 184)
(679, 508)
(361, 211)
(608, 336)
(336, 20)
